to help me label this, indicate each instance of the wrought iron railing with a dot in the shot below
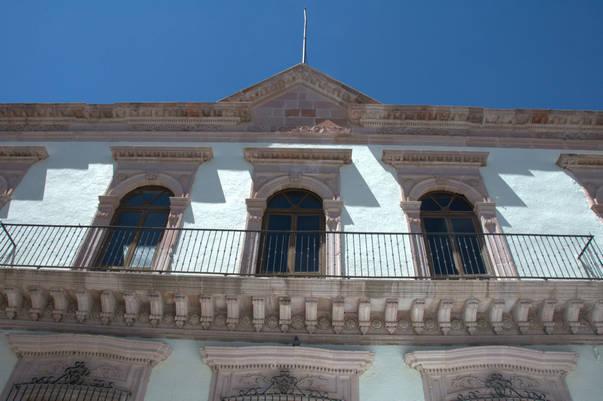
(327, 254)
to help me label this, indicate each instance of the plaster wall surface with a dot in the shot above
(185, 377)
(533, 195)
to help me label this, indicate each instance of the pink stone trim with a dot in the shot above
(15, 161)
(587, 170)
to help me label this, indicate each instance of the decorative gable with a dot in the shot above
(304, 75)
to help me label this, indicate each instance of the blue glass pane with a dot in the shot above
(439, 246)
(442, 199)
(136, 199)
(295, 196)
(127, 219)
(156, 219)
(163, 199)
(307, 244)
(119, 242)
(430, 205)
(311, 202)
(459, 204)
(275, 245)
(469, 246)
(279, 202)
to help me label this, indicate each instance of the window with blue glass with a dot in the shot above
(455, 245)
(137, 228)
(293, 233)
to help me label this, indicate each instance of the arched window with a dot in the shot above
(293, 233)
(455, 244)
(137, 227)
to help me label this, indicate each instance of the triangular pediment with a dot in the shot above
(304, 75)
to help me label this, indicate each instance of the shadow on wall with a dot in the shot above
(61, 156)
(357, 192)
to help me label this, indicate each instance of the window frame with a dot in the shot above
(145, 210)
(294, 212)
(447, 216)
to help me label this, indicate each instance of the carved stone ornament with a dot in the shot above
(14, 163)
(325, 128)
(587, 169)
(280, 370)
(81, 360)
(485, 373)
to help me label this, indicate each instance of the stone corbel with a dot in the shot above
(547, 315)
(108, 306)
(521, 311)
(84, 305)
(259, 313)
(595, 317)
(470, 315)
(181, 304)
(232, 312)
(14, 296)
(417, 315)
(207, 311)
(338, 315)
(364, 316)
(132, 306)
(38, 298)
(391, 315)
(60, 303)
(156, 308)
(311, 314)
(284, 314)
(495, 315)
(572, 315)
(444, 312)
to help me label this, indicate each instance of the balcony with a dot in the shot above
(361, 255)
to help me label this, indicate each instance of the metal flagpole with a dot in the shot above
(304, 49)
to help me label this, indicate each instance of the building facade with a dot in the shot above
(299, 240)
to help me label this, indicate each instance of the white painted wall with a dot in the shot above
(532, 193)
(185, 377)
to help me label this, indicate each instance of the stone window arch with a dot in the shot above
(587, 170)
(309, 169)
(145, 166)
(422, 172)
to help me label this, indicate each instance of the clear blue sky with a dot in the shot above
(505, 53)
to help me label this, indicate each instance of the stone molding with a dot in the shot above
(335, 157)
(300, 74)
(336, 372)
(161, 154)
(317, 310)
(587, 170)
(447, 373)
(268, 357)
(397, 158)
(15, 161)
(173, 168)
(66, 345)
(420, 172)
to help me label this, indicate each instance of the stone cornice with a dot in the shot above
(57, 345)
(160, 153)
(398, 158)
(300, 74)
(269, 357)
(523, 360)
(587, 161)
(298, 155)
(394, 311)
(30, 154)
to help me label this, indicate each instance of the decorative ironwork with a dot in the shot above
(283, 386)
(500, 388)
(74, 384)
